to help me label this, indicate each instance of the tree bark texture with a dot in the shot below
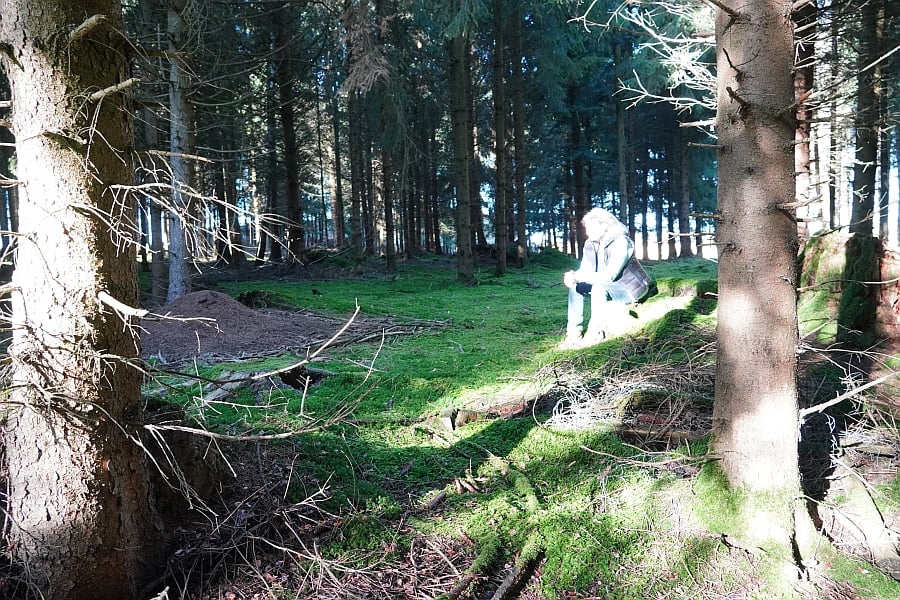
(79, 497)
(755, 412)
(866, 121)
(181, 141)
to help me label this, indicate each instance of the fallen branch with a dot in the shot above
(845, 396)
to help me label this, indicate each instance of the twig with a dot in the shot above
(730, 11)
(120, 307)
(113, 89)
(85, 28)
(312, 356)
(849, 394)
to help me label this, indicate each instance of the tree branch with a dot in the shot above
(113, 89)
(120, 307)
(726, 9)
(85, 28)
(846, 395)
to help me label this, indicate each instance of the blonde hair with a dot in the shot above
(610, 223)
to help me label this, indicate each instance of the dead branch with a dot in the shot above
(86, 27)
(113, 89)
(845, 396)
(119, 307)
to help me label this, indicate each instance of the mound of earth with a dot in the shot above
(212, 324)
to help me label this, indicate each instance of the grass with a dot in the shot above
(513, 487)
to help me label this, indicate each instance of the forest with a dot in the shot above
(282, 289)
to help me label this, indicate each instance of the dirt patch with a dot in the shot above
(212, 325)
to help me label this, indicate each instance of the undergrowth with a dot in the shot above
(602, 518)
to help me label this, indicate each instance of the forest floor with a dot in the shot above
(258, 538)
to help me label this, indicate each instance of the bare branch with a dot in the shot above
(85, 28)
(113, 89)
(846, 395)
(120, 307)
(730, 11)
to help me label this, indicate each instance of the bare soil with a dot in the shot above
(214, 326)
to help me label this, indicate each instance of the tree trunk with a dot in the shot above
(518, 98)
(78, 484)
(500, 179)
(866, 122)
(181, 135)
(460, 132)
(387, 196)
(622, 161)
(284, 77)
(804, 25)
(337, 200)
(684, 198)
(357, 182)
(755, 415)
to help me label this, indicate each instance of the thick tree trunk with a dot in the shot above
(79, 497)
(755, 415)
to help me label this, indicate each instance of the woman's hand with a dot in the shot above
(569, 279)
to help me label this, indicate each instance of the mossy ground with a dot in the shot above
(604, 518)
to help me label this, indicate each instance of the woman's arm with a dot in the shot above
(606, 267)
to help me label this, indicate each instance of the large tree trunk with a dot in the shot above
(755, 415)
(79, 496)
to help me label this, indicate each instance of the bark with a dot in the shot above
(622, 161)
(500, 155)
(285, 81)
(460, 132)
(755, 415)
(337, 198)
(804, 25)
(181, 135)
(518, 99)
(684, 199)
(387, 196)
(357, 183)
(865, 122)
(577, 153)
(78, 484)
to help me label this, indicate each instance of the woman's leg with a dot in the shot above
(575, 313)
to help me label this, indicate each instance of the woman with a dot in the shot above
(608, 274)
